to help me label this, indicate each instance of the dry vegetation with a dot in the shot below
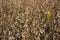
(29, 19)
